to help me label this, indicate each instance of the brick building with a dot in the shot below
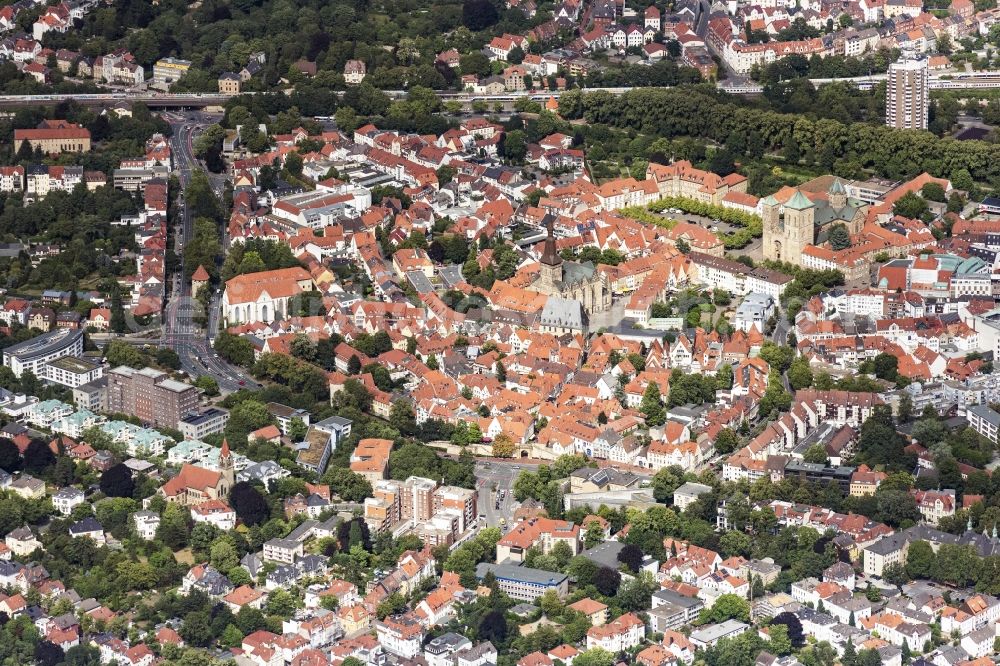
(150, 395)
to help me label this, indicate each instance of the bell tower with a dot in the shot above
(838, 195)
(551, 273)
(228, 471)
(800, 213)
(773, 229)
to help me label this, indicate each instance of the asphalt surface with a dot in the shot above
(180, 332)
(491, 479)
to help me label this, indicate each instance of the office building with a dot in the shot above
(167, 71)
(821, 474)
(150, 395)
(524, 583)
(321, 438)
(72, 372)
(907, 98)
(314, 451)
(337, 427)
(198, 425)
(32, 355)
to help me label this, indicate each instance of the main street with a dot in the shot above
(491, 480)
(180, 332)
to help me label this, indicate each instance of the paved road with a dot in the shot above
(193, 344)
(491, 479)
(782, 330)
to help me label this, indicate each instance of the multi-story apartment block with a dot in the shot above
(907, 95)
(461, 500)
(72, 371)
(417, 499)
(11, 179)
(150, 395)
(985, 421)
(32, 355)
(198, 425)
(384, 508)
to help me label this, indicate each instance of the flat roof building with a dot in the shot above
(315, 449)
(72, 371)
(907, 94)
(688, 494)
(524, 583)
(198, 425)
(817, 473)
(985, 421)
(167, 71)
(93, 395)
(32, 355)
(708, 636)
(150, 395)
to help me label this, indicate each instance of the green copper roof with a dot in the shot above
(769, 200)
(799, 201)
(837, 187)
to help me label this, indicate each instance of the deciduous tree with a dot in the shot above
(652, 406)
(117, 481)
(249, 505)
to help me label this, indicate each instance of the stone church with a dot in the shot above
(570, 279)
(194, 484)
(807, 220)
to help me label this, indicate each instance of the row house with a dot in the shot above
(861, 528)
(898, 631)
(687, 455)
(11, 179)
(500, 47)
(630, 36)
(119, 67)
(41, 179)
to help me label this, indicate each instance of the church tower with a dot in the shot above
(837, 194)
(228, 472)
(799, 229)
(773, 230)
(551, 274)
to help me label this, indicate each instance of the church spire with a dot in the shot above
(227, 469)
(550, 256)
